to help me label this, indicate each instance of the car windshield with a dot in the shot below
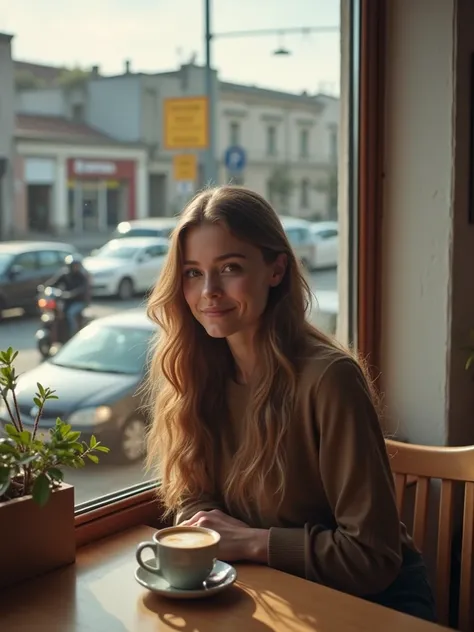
(5, 260)
(118, 251)
(106, 349)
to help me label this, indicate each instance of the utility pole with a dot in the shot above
(210, 163)
(211, 87)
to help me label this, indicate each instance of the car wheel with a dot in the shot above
(132, 440)
(126, 289)
(44, 347)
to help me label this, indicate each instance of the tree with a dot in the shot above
(280, 187)
(73, 77)
(26, 80)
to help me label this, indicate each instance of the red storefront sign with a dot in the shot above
(105, 169)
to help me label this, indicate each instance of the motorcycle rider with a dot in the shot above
(74, 280)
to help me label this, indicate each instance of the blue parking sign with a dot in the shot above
(235, 159)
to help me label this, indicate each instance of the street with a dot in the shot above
(96, 480)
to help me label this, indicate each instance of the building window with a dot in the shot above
(234, 134)
(78, 112)
(333, 144)
(304, 143)
(271, 140)
(304, 193)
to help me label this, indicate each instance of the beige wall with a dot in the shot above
(428, 303)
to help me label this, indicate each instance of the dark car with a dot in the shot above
(23, 266)
(96, 376)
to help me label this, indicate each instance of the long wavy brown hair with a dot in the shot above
(190, 370)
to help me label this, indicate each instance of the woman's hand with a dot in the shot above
(238, 540)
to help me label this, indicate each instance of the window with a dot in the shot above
(304, 143)
(78, 112)
(157, 251)
(50, 259)
(121, 151)
(234, 134)
(271, 140)
(333, 144)
(28, 261)
(304, 201)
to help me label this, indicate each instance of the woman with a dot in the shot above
(264, 429)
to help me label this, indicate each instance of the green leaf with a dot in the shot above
(41, 390)
(4, 474)
(4, 480)
(12, 431)
(65, 429)
(469, 362)
(25, 437)
(102, 448)
(55, 473)
(27, 459)
(38, 402)
(93, 458)
(73, 436)
(7, 447)
(41, 490)
(93, 441)
(77, 447)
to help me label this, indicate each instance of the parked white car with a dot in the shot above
(300, 237)
(149, 227)
(124, 267)
(326, 241)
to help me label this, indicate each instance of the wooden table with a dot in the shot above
(99, 594)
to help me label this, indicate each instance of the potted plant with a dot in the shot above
(36, 506)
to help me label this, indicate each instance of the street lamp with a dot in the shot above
(211, 175)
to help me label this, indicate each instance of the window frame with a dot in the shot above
(139, 504)
(272, 140)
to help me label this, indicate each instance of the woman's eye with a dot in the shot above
(191, 274)
(231, 267)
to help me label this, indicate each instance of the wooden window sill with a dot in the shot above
(100, 593)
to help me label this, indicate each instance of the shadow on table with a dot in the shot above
(239, 608)
(231, 610)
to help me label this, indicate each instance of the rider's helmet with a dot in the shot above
(73, 262)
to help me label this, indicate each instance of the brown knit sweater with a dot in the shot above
(338, 523)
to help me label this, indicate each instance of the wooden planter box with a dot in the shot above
(34, 539)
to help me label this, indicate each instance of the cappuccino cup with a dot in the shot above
(184, 556)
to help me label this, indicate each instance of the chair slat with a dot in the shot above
(421, 511)
(465, 588)
(400, 486)
(443, 557)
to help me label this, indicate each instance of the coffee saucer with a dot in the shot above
(157, 584)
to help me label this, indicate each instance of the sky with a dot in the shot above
(158, 35)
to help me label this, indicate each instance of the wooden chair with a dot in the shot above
(449, 465)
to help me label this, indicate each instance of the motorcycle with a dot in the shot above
(53, 332)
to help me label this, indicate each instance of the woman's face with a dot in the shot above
(226, 281)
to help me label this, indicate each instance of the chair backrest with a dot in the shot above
(449, 465)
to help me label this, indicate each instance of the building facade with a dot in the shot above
(69, 178)
(7, 126)
(286, 143)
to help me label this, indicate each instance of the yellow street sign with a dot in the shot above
(185, 123)
(185, 167)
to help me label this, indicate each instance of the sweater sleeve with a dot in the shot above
(191, 506)
(362, 554)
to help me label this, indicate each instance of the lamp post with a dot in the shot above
(210, 163)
